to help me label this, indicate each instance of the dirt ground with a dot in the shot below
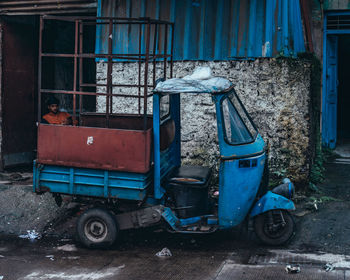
(324, 227)
(327, 228)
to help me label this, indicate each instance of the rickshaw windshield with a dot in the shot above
(238, 127)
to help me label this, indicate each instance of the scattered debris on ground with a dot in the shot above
(67, 248)
(164, 253)
(328, 267)
(51, 257)
(292, 269)
(31, 235)
(302, 213)
(71, 258)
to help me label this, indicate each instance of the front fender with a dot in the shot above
(271, 201)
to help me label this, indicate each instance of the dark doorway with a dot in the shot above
(19, 45)
(19, 48)
(343, 114)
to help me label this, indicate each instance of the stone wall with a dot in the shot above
(276, 93)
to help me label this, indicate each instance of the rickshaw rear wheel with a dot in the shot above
(274, 227)
(97, 228)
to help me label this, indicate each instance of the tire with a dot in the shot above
(97, 228)
(277, 234)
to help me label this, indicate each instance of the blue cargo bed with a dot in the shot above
(90, 182)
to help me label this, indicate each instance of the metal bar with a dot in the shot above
(114, 85)
(76, 41)
(105, 183)
(156, 146)
(139, 74)
(146, 57)
(154, 52)
(41, 2)
(109, 71)
(71, 180)
(324, 84)
(165, 49)
(146, 77)
(115, 56)
(124, 20)
(343, 13)
(44, 12)
(80, 69)
(41, 27)
(56, 91)
(172, 51)
(49, 7)
(53, 91)
(340, 31)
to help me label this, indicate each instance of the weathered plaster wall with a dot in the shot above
(276, 92)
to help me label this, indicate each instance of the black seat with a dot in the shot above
(194, 176)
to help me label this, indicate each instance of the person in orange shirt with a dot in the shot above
(55, 116)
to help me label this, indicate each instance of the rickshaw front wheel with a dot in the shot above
(97, 228)
(275, 227)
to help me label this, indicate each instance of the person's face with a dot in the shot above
(53, 108)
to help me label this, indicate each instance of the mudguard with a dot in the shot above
(271, 201)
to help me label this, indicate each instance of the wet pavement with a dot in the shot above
(322, 237)
(216, 256)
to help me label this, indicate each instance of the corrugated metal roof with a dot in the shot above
(37, 7)
(215, 30)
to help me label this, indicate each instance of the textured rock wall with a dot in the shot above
(276, 92)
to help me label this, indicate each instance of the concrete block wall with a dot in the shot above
(276, 93)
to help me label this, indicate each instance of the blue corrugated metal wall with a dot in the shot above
(213, 30)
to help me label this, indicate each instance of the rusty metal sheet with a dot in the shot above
(100, 148)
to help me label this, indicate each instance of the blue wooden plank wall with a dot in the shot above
(212, 30)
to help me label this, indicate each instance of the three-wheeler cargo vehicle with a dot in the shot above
(126, 168)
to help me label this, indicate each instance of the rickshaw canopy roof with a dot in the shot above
(200, 81)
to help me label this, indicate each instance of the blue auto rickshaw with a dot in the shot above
(127, 169)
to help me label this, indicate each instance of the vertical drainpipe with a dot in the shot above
(156, 147)
(285, 27)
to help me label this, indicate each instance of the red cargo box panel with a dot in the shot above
(100, 148)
